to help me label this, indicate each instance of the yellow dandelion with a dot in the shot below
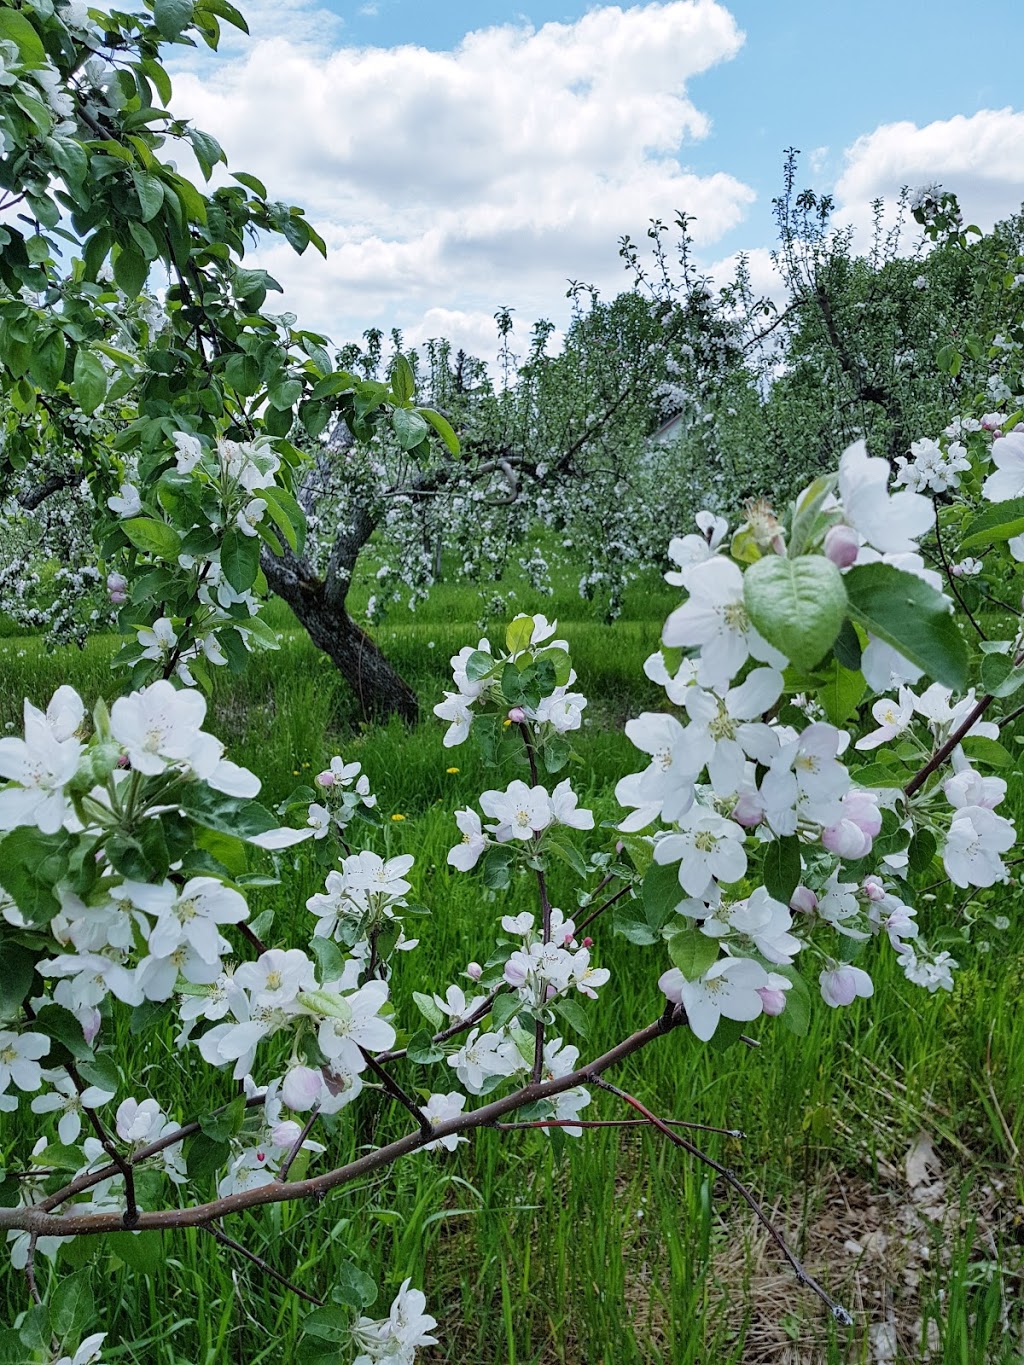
(398, 817)
(506, 723)
(452, 770)
(295, 772)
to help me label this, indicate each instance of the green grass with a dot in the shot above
(610, 1249)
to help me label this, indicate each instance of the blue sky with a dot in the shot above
(455, 169)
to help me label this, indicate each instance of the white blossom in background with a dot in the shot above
(714, 619)
(393, 1340)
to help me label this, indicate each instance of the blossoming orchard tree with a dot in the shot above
(829, 745)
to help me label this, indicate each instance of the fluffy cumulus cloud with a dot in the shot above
(979, 156)
(449, 183)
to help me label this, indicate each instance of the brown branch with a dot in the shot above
(951, 579)
(483, 1009)
(946, 748)
(396, 1092)
(837, 1310)
(36, 1220)
(222, 1236)
(602, 908)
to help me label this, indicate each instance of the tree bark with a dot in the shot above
(319, 605)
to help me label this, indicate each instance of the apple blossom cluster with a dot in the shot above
(359, 904)
(778, 850)
(532, 677)
(393, 1340)
(344, 790)
(237, 503)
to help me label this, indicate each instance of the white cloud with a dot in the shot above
(978, 156)
(449, 183)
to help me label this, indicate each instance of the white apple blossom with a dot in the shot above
(893, 719)
(87, 1352)
(439, 1109)
(201, 906)
(707, 847)
(762, 921)
(39, 766)
(482, 1056)
(457, 710)
(250, 516)
(126, 502)
(690, 550)
(976, 838)
(356, 1024)
(393, 1340)
(841, 984)
(189, 450)
(725, 731)
(728, 989)
(666, 786)
(19, 1059)
(63, 1097)
(519, 812)
(466, 855)
(889, 522)
(564, 808)
(1008, 480)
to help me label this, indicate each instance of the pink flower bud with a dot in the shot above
(588, 942)
(842, 546)
(749, 810)
(515, 973)
(123, 761)
(619, 845)
(839, 987)
(474, 971)
(91, 1025)
(550, 992)
(873, 888)
(803, 899)
(117, 582)
(846, 840)
(772, 1002)
(517, 715)
(285, 1134)
(301, 1088)
(325, 779)
(118, 597)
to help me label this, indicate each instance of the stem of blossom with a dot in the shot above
(131, 1211)
(30, 1270)
(602, 908)
(36, 1219)
(951, 579)
(481, 1010)
(222, 1236)
(841, 1315)
(396, 1092)
(946, 748)
(282, 1174)
(250, 937)
(618, 1123)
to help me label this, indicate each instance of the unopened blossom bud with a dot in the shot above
(517, 715)
(619, 846)
(116, 582)
(474, 971)
(873, 888)
(325, 779)
(588, 942)
(842, 545)
(749, 810)
(301, 1088)
(772, 1002)
(118, 597)
(515, 973)
(550, 992)
(123, 761)
(803, 899)
(285, 1134)
(91, 1025)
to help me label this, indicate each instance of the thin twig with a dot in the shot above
(282, 1174)
(618, 1123)
(460, 1026)
(396, 1092)
(602, 908)
(951, 578)
(837, 1310)
(222, 1236)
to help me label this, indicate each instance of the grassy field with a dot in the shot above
(886, 1142)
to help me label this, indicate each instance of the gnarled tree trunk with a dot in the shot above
(319, 605)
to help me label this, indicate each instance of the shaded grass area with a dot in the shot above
(615, 1248)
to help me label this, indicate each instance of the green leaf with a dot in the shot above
(661, 893)
(329, 1324)
(62, 1027)
(921, 850)
(152, 536)
(240, 558)
(426, 1007)
(353, 1287)
(16, 29)
(987, 751)
(222, 1126)
(422, 1049)
(847, 647)
(142, 1252)
(204, 1156)
(910, 615)
(999, 676)
(233, 815)
(403, 381)
(442, 427)
(691, 951)
(102, 1070)
(505, 1007)
(150, 192)
(518, 634)
(1001, 521)
(71, 1304)
(287, 515)
(31, 865)
(479, 666)
(574, 1015)
(409, 427)
(130, 270)
(796, 1017)
(172, 17)
(798, 605)
(841, 693)
(90, 381)
(782, 868)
